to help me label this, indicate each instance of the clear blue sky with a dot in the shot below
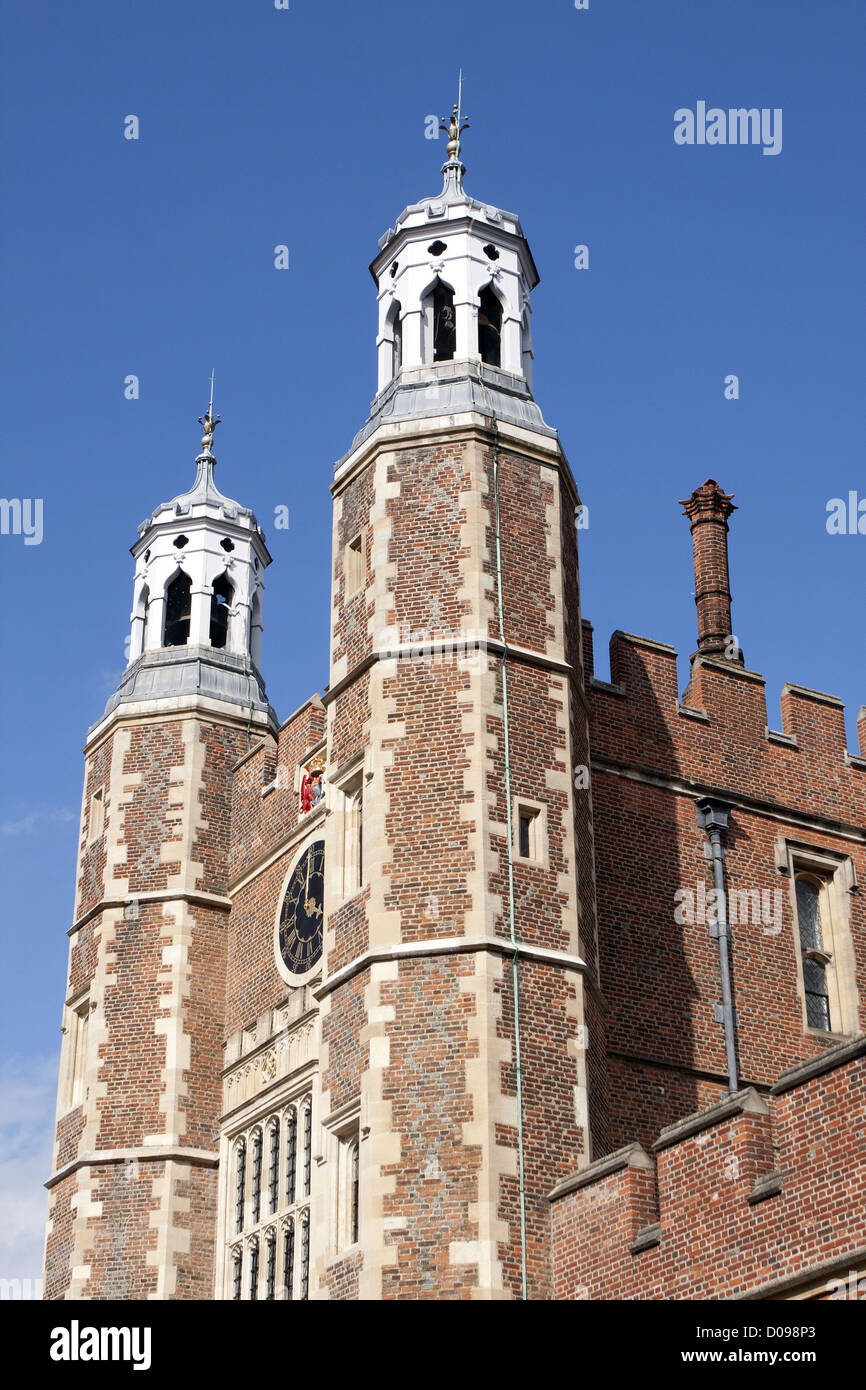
(306, 127)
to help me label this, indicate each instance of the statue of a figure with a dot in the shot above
(312, 788)
(453, 130)
(208, 422)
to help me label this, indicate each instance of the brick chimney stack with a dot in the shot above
(708, 510)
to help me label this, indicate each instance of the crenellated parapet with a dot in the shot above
(740, 1200)
(718, 734)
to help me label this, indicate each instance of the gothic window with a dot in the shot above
(305, 1256)
(815, 958)
(274, 1166)
(178, 604)
(268, 1253)
(220, 606)
(288, 1258)
(355, 1192)
(291, 1154)
(257, 1177)
(271, 1266)
(308, 1147)
(240, 1183)
(489, 327)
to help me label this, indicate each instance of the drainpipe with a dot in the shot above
(712, 816)
(521, 1167)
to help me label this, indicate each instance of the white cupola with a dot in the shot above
(454, 278)
(196, 622)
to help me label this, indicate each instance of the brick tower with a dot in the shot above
(458, 994)
(333, 1027)
(132, 1206)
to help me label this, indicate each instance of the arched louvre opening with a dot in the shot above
(490, 328)
(441, 307)
(178, 605)
(142, 612)
(220, 606)
(256, 629)
(396, 338)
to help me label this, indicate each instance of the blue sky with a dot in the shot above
(305, 127)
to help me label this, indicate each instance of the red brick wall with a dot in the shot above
(432, 853)
(129, 1007)
(713, 1242)
(661, 978)
(259, 825)
(341, 1278)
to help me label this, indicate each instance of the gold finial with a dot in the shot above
(456, 125)
(208, 421)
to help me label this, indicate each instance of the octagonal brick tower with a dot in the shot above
(460, 1009)
(132, 1205)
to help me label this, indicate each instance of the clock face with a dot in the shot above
(301, 916)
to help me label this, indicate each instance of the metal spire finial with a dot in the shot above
(208, 421)
(455, 127)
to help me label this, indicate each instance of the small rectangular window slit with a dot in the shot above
(354, 565)
(530, 831)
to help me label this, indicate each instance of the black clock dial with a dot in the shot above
(302, 915)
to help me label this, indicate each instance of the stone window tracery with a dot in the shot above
(269, 1251)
